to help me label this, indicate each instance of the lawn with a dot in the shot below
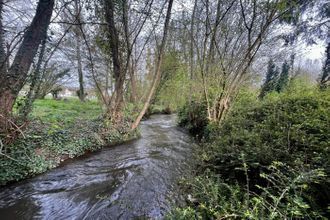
(65, 111)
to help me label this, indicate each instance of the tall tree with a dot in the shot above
(3, 55)
(271, 79)
(325, 76)
(123, 33)
(227, 38)
(13, 79)
(78, 32)
(284, 77)
(119, 74)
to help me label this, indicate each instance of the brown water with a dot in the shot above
(129, 181)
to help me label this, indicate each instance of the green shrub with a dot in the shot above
(284, 140)
(285, 197)
(193, 116)
(293, 130)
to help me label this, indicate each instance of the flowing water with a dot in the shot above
(137, 180)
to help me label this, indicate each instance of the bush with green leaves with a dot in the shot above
(289, 130)
(174, 86)
(285, 197)
(193, 116)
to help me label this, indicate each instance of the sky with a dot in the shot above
(311, 56)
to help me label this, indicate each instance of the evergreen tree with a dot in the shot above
(284, 77)
(271, 79)
(325, 76)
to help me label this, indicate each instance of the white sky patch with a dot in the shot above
(314, 52)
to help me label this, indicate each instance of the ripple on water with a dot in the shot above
(128, 181)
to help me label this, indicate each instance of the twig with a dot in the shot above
(1, 147)
(16, 126)
(229, 216)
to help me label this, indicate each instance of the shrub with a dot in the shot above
(284, 140)
(193, 116)
(294, 130)
(285, 197)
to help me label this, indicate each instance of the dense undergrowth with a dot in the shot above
(58, 130)
(268, 160)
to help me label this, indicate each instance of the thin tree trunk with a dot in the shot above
(7, 56)
(3, 55)
(107, 86)
(157, 75)
(191, 52)
(204, 64)
(81, 92)
(133, 83)
(325, 77)
(35, 80)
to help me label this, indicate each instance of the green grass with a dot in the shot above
(64, 112)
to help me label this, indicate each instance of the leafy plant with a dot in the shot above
(193, 116)
(283, 198)
(284, 141)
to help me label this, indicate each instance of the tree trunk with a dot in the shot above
(81, 92)
(157, 75)
(133, 83)
(35, 80)
(191, 51)
(13, 80)
(119, 74)
(3, 55)
(325, 77)
(6, 97)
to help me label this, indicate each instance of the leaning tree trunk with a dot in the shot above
(158, 65)
(12, 81)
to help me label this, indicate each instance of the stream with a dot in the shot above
(135, 180)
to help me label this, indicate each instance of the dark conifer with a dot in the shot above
(325, 76)
(284, 77)
(271, 79)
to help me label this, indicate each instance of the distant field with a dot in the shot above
(49, 110)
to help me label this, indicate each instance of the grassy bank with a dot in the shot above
(268, 160)
(58, 130)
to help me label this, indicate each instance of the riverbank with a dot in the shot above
(269, 159)
(58, 130)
